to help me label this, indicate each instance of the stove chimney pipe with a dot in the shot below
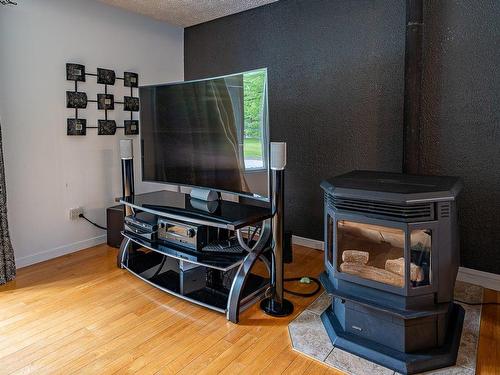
(413, 86)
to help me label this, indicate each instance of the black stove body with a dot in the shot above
(391, 260)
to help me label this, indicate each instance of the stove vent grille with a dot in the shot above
(378, 209)
(445, 210)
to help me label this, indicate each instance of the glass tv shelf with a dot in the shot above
(223, 282)
(180, 206)
(217, 261)
(199, 280)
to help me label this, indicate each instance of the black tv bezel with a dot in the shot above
(266, 137)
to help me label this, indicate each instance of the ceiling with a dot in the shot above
(187, 12)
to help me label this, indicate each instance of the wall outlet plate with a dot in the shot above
(74, 213)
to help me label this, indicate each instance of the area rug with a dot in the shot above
(309, 337)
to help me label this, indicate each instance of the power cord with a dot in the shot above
(303, 280)
(91, 222)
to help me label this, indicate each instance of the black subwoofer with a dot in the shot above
(114, 222)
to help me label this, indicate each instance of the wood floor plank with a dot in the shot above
(203, 361)
(271, 352)
(151, 357)
(125, 337)
(80, 314)
(188, 347)
(281, 362)
(317, 368)
(488, 359)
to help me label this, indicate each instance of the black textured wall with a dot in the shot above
(336, 86)
(336, 96)
(460, 132)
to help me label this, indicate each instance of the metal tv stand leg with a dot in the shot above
(122, 258)
(233, 303)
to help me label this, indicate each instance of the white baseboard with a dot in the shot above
(308, 242)
(59, 251)
(484, 279)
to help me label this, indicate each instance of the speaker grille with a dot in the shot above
(391, 211)
(278, 155)
(126, 149)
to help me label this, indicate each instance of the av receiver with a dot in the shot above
(184, 234)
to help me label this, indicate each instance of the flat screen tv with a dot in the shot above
(210, 133)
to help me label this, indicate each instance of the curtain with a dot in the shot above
(7, 264)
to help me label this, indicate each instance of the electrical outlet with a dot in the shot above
(74, 213)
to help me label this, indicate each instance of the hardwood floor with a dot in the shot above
(80, 314)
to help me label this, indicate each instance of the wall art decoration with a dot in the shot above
(106, 76)
(131, 127)
(106, 127)
(131, 103)
(75, 72)
(105, 101)
(76, 126)
(130, 79)
(75, 99)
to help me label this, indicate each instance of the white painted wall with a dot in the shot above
(48, 172)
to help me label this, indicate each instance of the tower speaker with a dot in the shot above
(127, 157)
(276, 304)
(126, 149)
(278, 156)
(287, 247)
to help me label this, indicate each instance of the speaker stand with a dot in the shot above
(277, 305)
(272, 307)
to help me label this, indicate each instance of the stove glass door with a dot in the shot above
(420, 250)
(371, 252)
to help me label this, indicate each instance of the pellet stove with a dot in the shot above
(391, 260)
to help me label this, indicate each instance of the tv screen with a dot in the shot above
(211, 133)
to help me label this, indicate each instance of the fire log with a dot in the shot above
(374, 233)
(372, 273)
(397, 266)
(355, 256)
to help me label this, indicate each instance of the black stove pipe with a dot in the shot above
(413, 86)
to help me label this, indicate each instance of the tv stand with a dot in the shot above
(220, 281)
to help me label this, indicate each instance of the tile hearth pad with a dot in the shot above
(309, 337)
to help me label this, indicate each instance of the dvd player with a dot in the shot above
(142, 224)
